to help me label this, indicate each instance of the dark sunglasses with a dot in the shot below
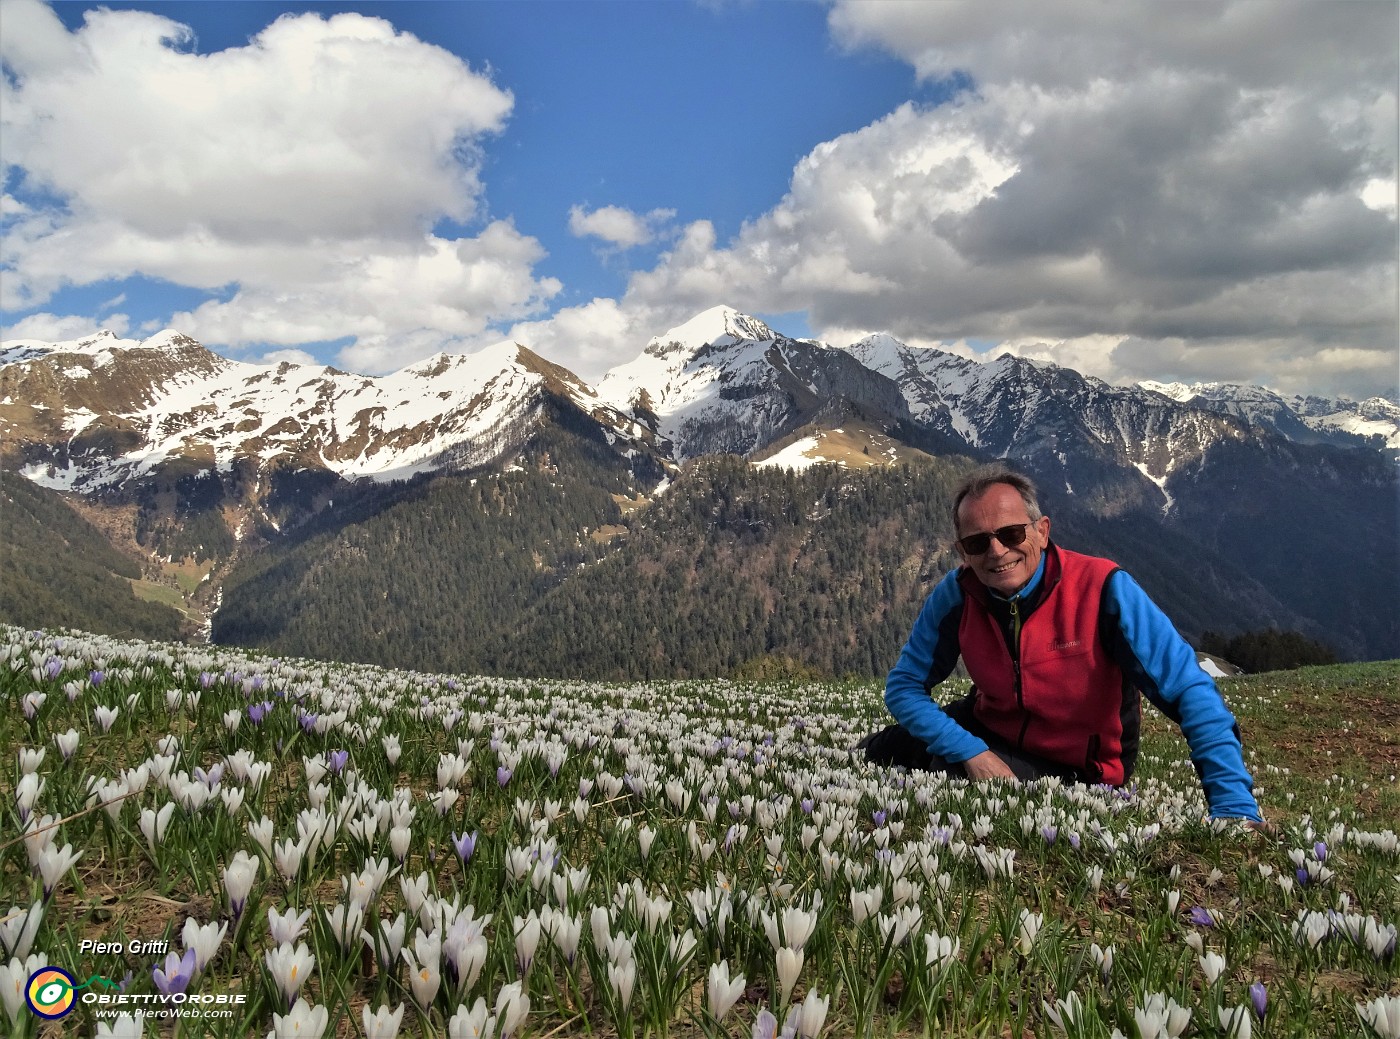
(1011, 536)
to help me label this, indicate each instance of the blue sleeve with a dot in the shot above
(927, 659)
(1163, 665)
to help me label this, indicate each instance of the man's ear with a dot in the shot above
(1044, 527)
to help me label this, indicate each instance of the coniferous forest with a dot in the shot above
(548, 568)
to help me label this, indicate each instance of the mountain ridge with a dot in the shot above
(218, 462)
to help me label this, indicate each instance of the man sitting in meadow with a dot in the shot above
(1059, 646)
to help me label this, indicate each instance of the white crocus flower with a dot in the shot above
(261, 831)
(424, 978)
(512, 1007)
(621, 979)
(124, 1026)
(789, 962)
(387, 939)
(812, 1014)
(154, 822)
(1236, 1022)
(476, 1023)
(287, 856)
(303, 1020)
(14, 976)
(346, 922)
(289, 968)
(1383, 1015)
(1065, 1011)
(67, 742)
(1212, 965)
(54, 863)
(19, 927)
(527, 940)
(239, 877)
(382, 1023)
(940, 950)
(865, 904)
(204, 940)
(27, 792)
(1027, 930)
(1103, 958)
(721, 992)
(286, 927)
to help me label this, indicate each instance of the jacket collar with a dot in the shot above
(1042, 582)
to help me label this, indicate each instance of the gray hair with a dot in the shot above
(983, 479)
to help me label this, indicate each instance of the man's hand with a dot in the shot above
(987, 766)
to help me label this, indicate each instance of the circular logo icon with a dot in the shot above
(50, 992)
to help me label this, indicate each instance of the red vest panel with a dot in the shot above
(1069, 704)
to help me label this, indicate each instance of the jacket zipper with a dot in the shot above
(1016, 670)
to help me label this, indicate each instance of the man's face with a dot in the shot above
(1003, 570)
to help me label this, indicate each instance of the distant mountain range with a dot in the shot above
(219, 476)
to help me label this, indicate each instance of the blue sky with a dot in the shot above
(365, 184)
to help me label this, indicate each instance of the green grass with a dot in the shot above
(1322, 744)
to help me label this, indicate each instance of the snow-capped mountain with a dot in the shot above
(726, 382)
(1303, 418)
(193, 461)
(93, 413)
(100, 412)
(1075, 428)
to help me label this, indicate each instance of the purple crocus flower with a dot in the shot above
(306, 720)
(53, 667)
(1074, 840)
(1200, 916)
(177, 974)
(465, 844)
(258, 711)
(1320, 851)
(879, 816)
(1050, 833)
(1301, 875)
(96, 677)
(1259, 996)
(205, 679)
(503, 775)
(336, 760)
(807, 805)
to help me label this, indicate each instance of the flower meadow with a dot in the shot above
(297, 848)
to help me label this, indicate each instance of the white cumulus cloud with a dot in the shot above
(300, 176)
(1118, 188)
(618, 226)
(64, 328)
